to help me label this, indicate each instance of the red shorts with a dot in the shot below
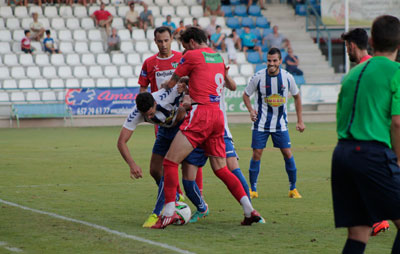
(204, 127)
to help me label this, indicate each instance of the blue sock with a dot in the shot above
(291, 170)
(193, 193)
(238, 173)
(160, 197)
(254, 170)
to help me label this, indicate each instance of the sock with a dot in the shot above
(291, 170)
(171, 180)
(254, 170)
(231, 182)
(199, 180)
(247, 207)
(396, 244)
(353, 247)
(179, 190)
(169, 209)
(238, 173)
(160, 197)
(193, 193)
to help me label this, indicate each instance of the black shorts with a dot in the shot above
(365, 183)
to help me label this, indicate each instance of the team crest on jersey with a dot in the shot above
(156, 68)
(174, 65)
(275, 100)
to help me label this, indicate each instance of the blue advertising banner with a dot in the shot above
(87, 101)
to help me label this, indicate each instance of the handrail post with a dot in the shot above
(329, 49)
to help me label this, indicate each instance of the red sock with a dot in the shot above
(171, 180)
(231, 181)
(199, 179)
(179, 190)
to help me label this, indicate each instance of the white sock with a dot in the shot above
(169, 209)
(247, 207)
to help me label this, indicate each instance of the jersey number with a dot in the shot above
(219, 80)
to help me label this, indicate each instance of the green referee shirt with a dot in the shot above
(370, 95)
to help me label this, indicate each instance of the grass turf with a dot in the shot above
(78, 173)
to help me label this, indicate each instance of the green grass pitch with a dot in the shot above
(79, 173)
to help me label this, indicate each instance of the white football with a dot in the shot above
(184, 213)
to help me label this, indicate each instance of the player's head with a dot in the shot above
(385, 33)
(146, 104)
(355, 40)
(274, 60)
(102, 6)
(163, 40)
(192, 37)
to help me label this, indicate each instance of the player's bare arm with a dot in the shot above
(171, 83)
(395, 136)
(247, 103)
(229, 82)
(300, 126)
(143, 89)
(124, 136)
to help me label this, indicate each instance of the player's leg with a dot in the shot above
(396, 244)
(357, 239)
(199, 179)
(259, 140)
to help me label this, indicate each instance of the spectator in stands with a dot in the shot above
(179, 30)
(113, 41)
(195, 22)
(146, 17)
(18, 2)
(356, 41)
(37, 30)
(26, 43)
(260, 2)
(103, 18)
(48, 44)
(236, 40)
(131, 17)
(230, 47)
(170, 24)
(212, 7)
(217, 40)
(292, 63)
(212, 27)
(249, 41)
(276, 40)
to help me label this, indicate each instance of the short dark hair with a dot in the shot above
(358, 35)
(162, 29)
(385, 33)
(132, 3)
(26, 31)
(273, 51)
(218, 26)
(48, 32)
(195, 33)
(144, 101)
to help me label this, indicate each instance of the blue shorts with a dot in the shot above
(229, 148)
(280, 139)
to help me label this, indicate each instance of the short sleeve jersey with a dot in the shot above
(271, 95)
(369, 97)
(206, 71)
(132, 16)
(166, 109)
(156, 70)
(26, 43)
(247, 39)
(48, 42)
(101, 14)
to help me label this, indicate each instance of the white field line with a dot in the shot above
(111, 231)
(14, 249)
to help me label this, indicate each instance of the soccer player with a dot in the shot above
(203, 126)
(272, 86)
(356, 42)
(365, 163)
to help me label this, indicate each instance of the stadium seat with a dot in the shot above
(18, 72)
(124, 34)
(103, 59)
(6, 12)
(283, 54)
(138, 35)
(56, 83)
(123, 9)
(37, 9)
(61, 95)
(26, 59)
(118, 82)
(299, 79)
(240, 81)
(267, 31)
(161, 3)
(241, 58)
(233, 70)
(4, 97)
(234, 2)
(95, 72)
(10, 84)
(118, 23)
(2, 25)
(88, 59)
(66, 47)
(103, 82)
(203, 21)
(13, 23)
(65, 11)
(18, 35)
(138, 69)
(58, 23)
(240, 10)
(5, 35)
(49, 72)
(111, 71)
(11, 60)
(65, 35)
(20, 12)
(72, 83)
(80, 35)
(126, 71)
(64, 72)
(248, 22)
(96, 47)
(155, 10)
(80, 72)
(111, 9)
(36, 45)
(33, 72)
(50, 12)
(196, 11)
(80, 11)
(118, 59)
(257, 33)
(94, 35)
(233, 23)
(4, 73)
(141, 47)
(260, 67)
(32, 96)
(146, 55)
(87, 83)
(168, 10)
(190, 2)
(73, 59)
(45, 22)
(87, 23)
(153, 48)
(176, 3)
(182, 12)
(220, 21)
(17, 97)
(246, 70)
(81, 47)
(132, 82)
(92, 9)
(255, 10)
(227, 9)
(73, 23)
(301, 9)
(40, 83)
(158, 21)
(25, 23)
(262, 22)
(25, 84)
(133, 59)
(49, 96)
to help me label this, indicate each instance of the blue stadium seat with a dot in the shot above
(256, 32)
(239, 31)
(301, 9)
(240, 10)
(247, 21)
(234, 2)
(254, 58)
(299, 79)
(265, 56)
(262, 22)
(267, 31)
(264, 47)
(227, 9)
(255, 10)
(283, 54)
(233, 22)
(259, 67)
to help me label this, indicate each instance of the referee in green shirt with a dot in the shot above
(365, 165)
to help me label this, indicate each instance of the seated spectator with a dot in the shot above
(103, 18)
(18, 2)
(169, 24)
(48, 44)
(230, 47)
(261, 3)
(276, 40)
(249, 41)
(179, 30)
(37, 30)
(212, 27)
(212, 7)
(195, 22)
(26, 43)
(131, 17)
(292, 63)
(236, 40)
(146, 17)
(113, 41)
(217, 40)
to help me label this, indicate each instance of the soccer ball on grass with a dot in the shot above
(184, 213)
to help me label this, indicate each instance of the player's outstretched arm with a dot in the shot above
(247, 103)
(124, 136)
(171, 83)
(395, 136)
(300, 126)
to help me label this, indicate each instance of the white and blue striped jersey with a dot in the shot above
(222, 106)
(271, 95)
(166, 109)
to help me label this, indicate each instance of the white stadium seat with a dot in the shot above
(146, 55)
(4, 73)
(61, 95)
(32, 96)
(118, 82)
(158, 21)
(240, 80)
(241, 58)
(57, 59)
(57, 83)
(155, 10)
(103, 59)
(150, 34)
(65, 11)
(80, 11)
(233, 70)
(65, 72)
(92, 9)
(123, 9)
(168, 10)
(80, 35)
(87, 82)
(72, 83)
(204, 21)
(196, 11)
(153, 48)
(118, 23)
(25, 84)
(176, 3)
(40, 83)
(88, 59)
(33, 72)
(190, 2)
(37, 9)
(12, 23)
(141, 46)
(95, 72)
(5, 35)
(96, 47)
(80, 72)
(73, 59)
(111, 9)
(94, 35)
(10, 84)
(81, 47)
(37, 46)
(49, 96)
(73, 23)
(65, 35)
(25, 23)
(133, 59)
(138, 35)
(161, 3)
(111, 71)
(126, 71)
(45, 22)
(66, 47)
(18, 72)
(17, 96)
(58, 23)
(183, 12)
(4, 48)
(4, 97)
(49, 72)
(246, 70)
(20, 12)
(2, 25)
(6, 12)
(220, 21)
(175, 46)
(103, 82)
(138, 69)
(50, 12)
(124, 35)
(87, 23)
(11, 60)
(127, 47)
(118, 59)
(132, 82)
